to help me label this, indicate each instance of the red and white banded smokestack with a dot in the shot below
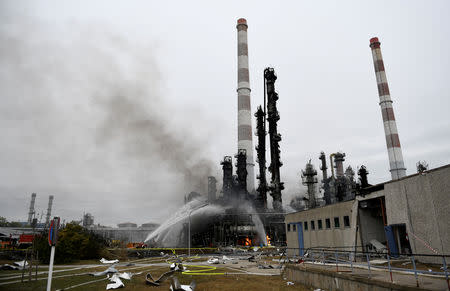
(398, 169)
(245, 136)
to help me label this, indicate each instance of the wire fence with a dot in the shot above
(343, 260)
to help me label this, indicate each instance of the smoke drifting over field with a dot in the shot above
(86, 121)
(147, 138)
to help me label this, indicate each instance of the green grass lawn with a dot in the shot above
(68, 278)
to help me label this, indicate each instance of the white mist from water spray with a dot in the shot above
(169, 234)
(259, 227)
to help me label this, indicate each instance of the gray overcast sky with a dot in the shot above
(119, 109)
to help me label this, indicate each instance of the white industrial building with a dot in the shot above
(407, 215)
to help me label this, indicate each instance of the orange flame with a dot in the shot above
(268, 240)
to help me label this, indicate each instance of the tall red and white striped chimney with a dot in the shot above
(396, 163)
(245, 136)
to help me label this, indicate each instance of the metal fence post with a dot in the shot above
(445, 271)
(323, 256)
(415, 270)
(389, 265)
(368, 264)
(30, 268)
(336, 256)
(351, 264)
(37, 263)
(23, 268)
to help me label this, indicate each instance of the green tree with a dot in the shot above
(74, 243)
(3, 221)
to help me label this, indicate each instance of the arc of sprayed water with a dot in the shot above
(163, 232)
(180, 215)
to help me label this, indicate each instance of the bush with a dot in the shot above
(74, 243)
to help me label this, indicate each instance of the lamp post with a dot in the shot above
(189, 227)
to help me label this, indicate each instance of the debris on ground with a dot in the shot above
(265, 267)
(225, 258)
(176, 286)
(150, 281)
(116, 282)
(104, 261)
(379, 247)
(280, 260)
(9, 267)
(289, 283)
(177, 267)
(296, 261)
(21, 264)
(378, 262)
(110, 270)
(213, 261)
(128, 275)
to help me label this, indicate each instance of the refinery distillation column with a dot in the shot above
(397, 166)
(31, 212)
(245, 136)
(49, 210)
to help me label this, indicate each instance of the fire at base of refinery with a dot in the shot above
(219, 224)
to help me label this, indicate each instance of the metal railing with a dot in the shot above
(348, 261)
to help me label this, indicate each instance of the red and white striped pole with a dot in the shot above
(245, 136)
(397, 166)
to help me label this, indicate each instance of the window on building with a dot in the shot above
(288, 227)
(294, 227)
(313, 226)
(327, 223)
(346, 221)
(336, 222)
(306, 225)
(319, 224)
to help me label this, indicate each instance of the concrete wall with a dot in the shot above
(422, 202)
(332, 281)
(333, 237)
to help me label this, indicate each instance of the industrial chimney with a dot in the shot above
(339, 159)
(49, 210)
(31, 211)
(245, 136)
(397, 166)
(309, 179)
